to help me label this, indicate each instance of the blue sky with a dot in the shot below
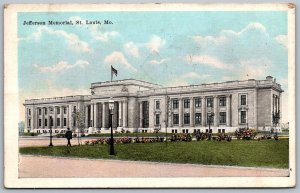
(168, 48)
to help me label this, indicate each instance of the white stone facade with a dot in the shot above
(145, 107)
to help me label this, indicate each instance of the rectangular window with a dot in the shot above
(58, 110)
(186, 103)
(29, 122)
(175, 104)
(40, 122)
(58, 121)
(223, 130)
(65, 110)
(175, 119)
(210, 119)
(186, 118)
(74, 109)
(219, 130)
(222, 101)
(40, 111)
(222, 117)
(45, 109)
(157, 103)
(51, 122)
(157, 122)
(197, 118)
(197, 102)
(243, 117)
(46, 122)
(65, 122)
(210, 102)
(145, 114)
(29, 112)
(243, 100)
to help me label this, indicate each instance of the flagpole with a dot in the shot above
(111, 73)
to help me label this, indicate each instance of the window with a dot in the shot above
(197, 102)
(40, 111)
(185, 131)
(222, 101)
(222, 117)
(243, 116)
(57, 121)
(210, 119)
(145, 114)
(50, 110)
(198, 118)
(174, 130)
(65, 122)
(157, 104)
(29, 122)
(175, 119)
(186, 118)
(186, 103)
(243, 100)
(46, 122)
(40, 122)
(223, 130)
(219, 130)
(45, 109)
(157, 119)
(51, 121)
(58, 110)
(175, 104)
(29, 112)
(65, 110)
(210, 102)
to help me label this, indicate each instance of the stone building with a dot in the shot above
(145, 107)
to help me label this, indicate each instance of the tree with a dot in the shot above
(21, 126)
(79, 116)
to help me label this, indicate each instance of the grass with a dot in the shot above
(266, 153)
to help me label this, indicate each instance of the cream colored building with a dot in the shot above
(145, 107)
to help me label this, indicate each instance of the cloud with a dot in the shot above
(282, 39)
(155, 62)
(205, 39)
(118, 57)
(61, 66)
(254, 68)
(131, 49)
(207, 60)
(155, 43)
(73, 41)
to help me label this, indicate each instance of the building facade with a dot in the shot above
(146, 107)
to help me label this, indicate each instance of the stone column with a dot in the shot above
(48, 117)
(61, 117)
(203, 111)
(55, 116)
(103, 115)
(68, 115)
(92, 114)
(228, 110)
(36, 118)
(95, 115)
(192, 112)
(180, 112)
(86, 116)
(120, 113)
(216, 111)
(125, 111)
(169, 113)
(141, 114)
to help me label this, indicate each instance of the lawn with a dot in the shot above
(265, 153)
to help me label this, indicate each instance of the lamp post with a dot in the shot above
(210, 116)
(111, 108)
(51, 122)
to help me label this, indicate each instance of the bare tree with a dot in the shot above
(79, 116)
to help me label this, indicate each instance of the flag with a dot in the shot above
(114, 71)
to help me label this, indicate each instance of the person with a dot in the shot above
(69, 136)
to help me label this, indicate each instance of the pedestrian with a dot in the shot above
(69, 136)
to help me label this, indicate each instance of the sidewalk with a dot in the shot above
(49, 167)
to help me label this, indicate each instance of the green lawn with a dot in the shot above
(266, 153)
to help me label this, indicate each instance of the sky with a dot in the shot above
(168, 48)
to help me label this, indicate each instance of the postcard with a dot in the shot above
(149, 95)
